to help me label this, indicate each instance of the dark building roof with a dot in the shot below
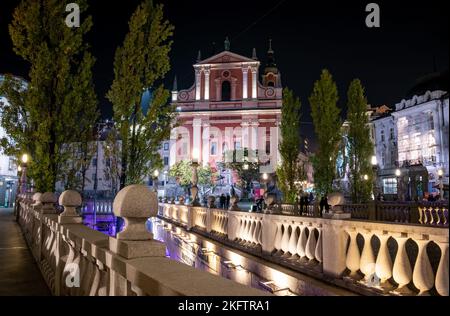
(430, 82)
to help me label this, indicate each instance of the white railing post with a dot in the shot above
(269, 230)
(334, 243)
(135, 204)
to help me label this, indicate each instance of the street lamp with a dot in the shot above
(374, 163)
(23, 177)
(366, 177)
(441, 184)
(155, 180)
(398, 173)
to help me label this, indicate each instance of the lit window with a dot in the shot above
(213, 148)
(390, 186)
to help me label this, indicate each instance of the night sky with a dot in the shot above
(307, 37)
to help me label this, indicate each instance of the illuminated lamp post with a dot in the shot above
(23, 177)
(398, 173)
(194, 188)
(155, 180)
(374, 163)
(441, 184)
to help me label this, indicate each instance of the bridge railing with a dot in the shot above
(424, 213)
(77, 260)
(369, 257)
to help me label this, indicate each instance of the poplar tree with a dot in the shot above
(59, 105)
(139, 64)
(291, 169)
(360, 145)
(327, 125)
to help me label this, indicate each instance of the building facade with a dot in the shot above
(232, 105)
(411, 145)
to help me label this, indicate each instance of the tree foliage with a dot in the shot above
(59, 105)
(246, 164)
(182, 172)
(291, 169)
(139, 63)
(360, 145)
(327, 124)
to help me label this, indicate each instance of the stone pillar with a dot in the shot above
(245, 82)
(269, 231)
(205, 144)
(245, 133)
(70, 199)
(173, 147)
(334, 243)
(254, 136)
(207, 73)
(135, 204)
(254, 83)
(197, 136)
(198, 78)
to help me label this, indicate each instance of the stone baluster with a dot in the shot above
(278, 236)
(285, 239)
(292, 246)
(367, 262)
(423, 277)
(442, 271)
(135, 204)
(383, 265)
(402, 272)
(421, 212)
(311, 244)
(301, 245)
(318, 250)
(353, 257)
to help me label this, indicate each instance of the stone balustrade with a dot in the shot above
(429, 214)
(77, 260)
(368, 257)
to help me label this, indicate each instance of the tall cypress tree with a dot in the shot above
(360, 145)
(139, 63)
(327, 124)
(291, 169)
(59, 106)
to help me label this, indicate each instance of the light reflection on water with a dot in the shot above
(185, 247)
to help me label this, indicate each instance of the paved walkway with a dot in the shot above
(19, 273)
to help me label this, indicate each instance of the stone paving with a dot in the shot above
(19, 273)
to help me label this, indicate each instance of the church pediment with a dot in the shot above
(226, 57)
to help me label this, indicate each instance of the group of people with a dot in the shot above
(224, 201)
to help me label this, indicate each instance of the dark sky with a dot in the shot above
(307, 36)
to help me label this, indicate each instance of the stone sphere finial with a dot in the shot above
(37, 197)
(334, 200)
(48, 200)
(70, 199)
(135, 204)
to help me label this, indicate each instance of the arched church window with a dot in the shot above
(226, 91)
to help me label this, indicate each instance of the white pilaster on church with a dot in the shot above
(206, 72)
(173, 147)
(278, 123)
(245, 82)
(254, 81)
(198, 79)
(254, 135)
(274, 152)
(245, 134)
(197, 135)
(206, 145)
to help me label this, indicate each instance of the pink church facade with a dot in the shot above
(228, 107)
